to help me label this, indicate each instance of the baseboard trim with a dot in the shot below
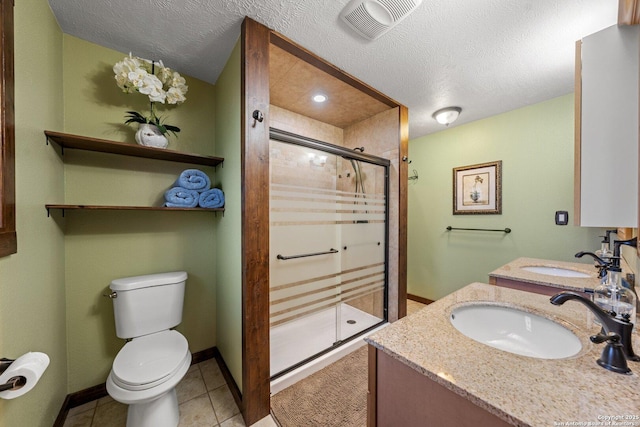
(419, 299)
(99, 391)
(226, 373)
(62, 415)
(203, 355)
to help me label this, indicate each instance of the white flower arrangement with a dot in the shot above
(161, 84)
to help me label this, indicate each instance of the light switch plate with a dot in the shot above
(562, 217)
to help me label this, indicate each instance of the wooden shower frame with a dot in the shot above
(255, 42)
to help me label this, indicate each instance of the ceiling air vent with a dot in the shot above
(373, 18)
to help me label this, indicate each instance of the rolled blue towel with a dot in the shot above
(213, 198)
(178, 197)
(193, 179)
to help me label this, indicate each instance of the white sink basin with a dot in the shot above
(556, 271)
(515, 331)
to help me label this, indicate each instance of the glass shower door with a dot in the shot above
(363, 257)
(327, 251)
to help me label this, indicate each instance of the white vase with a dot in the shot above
(150, 136)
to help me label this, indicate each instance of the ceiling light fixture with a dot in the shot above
(446, 116)
(319, 98)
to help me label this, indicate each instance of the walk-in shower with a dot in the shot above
(328, 247)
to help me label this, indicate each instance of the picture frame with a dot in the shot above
(477, 189)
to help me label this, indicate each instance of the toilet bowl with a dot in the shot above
(144, 376)
(147, 369)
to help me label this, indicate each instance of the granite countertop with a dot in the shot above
(521, 390)
(514, 271)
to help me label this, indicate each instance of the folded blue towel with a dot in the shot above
(193, 179)
(178, 197)
(213, 198)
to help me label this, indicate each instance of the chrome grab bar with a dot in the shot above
(330, 251)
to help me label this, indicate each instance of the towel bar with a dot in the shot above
(506, 230)
(330, 251)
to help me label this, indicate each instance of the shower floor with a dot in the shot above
(295, 341)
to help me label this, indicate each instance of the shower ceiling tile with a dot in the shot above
(294, 81)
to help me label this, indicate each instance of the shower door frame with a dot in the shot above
(344, 152)
(253, 396)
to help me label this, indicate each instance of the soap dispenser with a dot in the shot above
(612, 297)
(605, 252)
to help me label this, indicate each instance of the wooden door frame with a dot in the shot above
(8, 236)
(255, 41)
(255, 220)
(628, 12)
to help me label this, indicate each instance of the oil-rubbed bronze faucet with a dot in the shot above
(603, 265)
(615, 332)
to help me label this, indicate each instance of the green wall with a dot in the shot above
(535, 145)
(32, 293)
(50, 291)
(229, 243)
(102, 246)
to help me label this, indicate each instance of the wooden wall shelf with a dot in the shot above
(125, 208)
(78, 142)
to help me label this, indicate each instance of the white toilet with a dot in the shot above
(155, 358)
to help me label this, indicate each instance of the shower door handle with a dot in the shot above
(330, 251)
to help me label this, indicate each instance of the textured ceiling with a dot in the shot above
(486, 56)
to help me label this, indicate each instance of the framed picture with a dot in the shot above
(477, 189)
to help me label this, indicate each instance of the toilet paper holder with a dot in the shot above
(12, 383)
(5, 363)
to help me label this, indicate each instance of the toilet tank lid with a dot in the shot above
(136, 282)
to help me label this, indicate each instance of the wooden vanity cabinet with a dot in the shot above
(401, 396)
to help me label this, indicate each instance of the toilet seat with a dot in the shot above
(144, 397)
(150, 360)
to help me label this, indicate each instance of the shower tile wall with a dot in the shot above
(300, 125)
(286, 161)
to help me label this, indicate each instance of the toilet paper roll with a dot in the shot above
(31, 366)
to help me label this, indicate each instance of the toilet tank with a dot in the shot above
(143, 305)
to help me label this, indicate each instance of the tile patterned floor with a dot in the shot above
(203, 395)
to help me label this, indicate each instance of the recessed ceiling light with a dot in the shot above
(319, 98)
